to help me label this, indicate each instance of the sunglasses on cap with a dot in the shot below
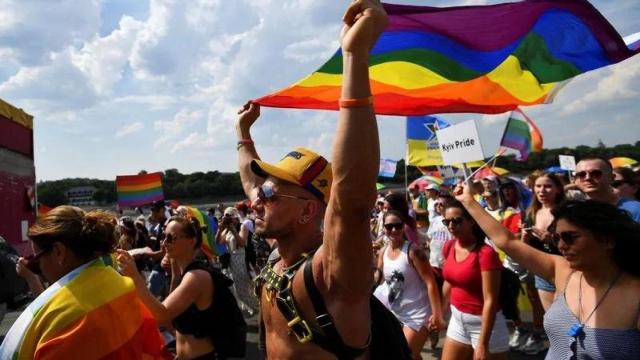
(391, 226)
(33, 261)
(455, 221)
(594, 174)
(267, 194)
(568, 237)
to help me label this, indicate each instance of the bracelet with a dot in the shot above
(351, 103)
(244, 142)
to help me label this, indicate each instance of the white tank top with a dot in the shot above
(403, 290)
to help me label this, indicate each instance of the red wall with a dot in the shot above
(16, 137)
(15, 208)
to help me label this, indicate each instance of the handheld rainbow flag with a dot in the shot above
(522, 135)
(478, 59)
(622, 162)
(138, 190)
(91, 313)
(209, 246)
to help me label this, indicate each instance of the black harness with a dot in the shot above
(325, 334)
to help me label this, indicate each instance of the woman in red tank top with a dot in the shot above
(477, 329)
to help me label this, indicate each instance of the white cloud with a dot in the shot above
(171, 130)
(35, 29)
(130, 129)
(104, 58)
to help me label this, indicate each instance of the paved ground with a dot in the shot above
(252, 338)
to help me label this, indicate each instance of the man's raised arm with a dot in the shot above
(355, 160)
(246, 148)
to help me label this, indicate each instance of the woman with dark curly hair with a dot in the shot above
(596, 313)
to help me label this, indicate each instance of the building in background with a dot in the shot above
(81, 196)
(17, 176)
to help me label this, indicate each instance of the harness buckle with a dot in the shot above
(305, 332)
(324, 320)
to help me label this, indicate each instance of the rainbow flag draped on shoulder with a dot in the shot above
(477, 59)
(91, 313)
(139, 190)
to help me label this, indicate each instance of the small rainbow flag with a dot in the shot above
(209, 246)
(522, 135)
(476, 59)
(138, 190)
(622, 162)
(91, 313)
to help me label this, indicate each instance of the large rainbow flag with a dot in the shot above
(479, 59)
(209, 246)
(522, 135)
(91, 313)
(139, 190)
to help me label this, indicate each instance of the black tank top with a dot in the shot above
(199, 323)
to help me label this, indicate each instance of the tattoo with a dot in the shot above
(419, 253)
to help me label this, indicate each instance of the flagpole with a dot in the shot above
(500, 152)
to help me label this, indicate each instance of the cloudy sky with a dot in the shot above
(117, 86)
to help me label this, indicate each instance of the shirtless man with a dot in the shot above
(302, 195)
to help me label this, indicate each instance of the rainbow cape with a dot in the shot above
(91, 313)
(478, 59)
(209, 246)
(522, 135)
(138, 190)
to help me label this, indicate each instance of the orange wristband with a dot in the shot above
(351, 103)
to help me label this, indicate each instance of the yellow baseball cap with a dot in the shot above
(302, 167)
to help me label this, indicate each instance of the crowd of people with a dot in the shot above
(334, 271)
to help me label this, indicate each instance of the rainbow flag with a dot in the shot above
(138, 190)
(522, 135)
(209, 246)
(477, 59)
(91, 313)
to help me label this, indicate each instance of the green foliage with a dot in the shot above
(175, 185)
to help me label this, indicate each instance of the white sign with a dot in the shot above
(460, 143)
(24, 227)
(567, 162)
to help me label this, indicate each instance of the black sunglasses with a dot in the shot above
(266, 194)
(568, 237)
(455, 221)
(170, 238)
(617, 183)
(391, 226)
(594, 174)
(33, 261)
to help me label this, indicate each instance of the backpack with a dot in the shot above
(510, 288)
(229, 335)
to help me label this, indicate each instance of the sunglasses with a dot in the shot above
(33, 261)
(266, 194)
(617, 183)
(455, 221)
(593, 174)
(568, 237)
(169, 238)
(391, 226)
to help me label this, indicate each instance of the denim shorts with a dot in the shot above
(544, 285)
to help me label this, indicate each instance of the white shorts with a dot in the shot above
(465, 328)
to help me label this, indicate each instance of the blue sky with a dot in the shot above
(117, 86)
